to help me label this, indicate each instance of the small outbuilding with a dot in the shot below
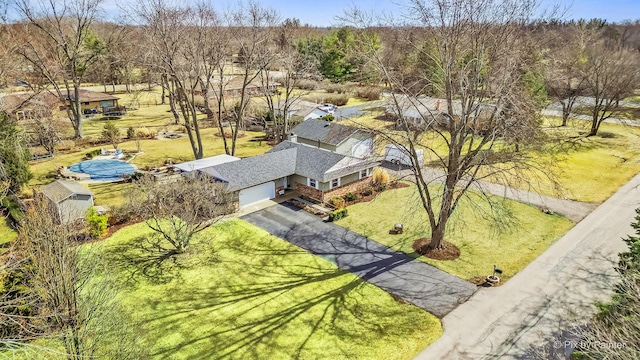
(69, 198)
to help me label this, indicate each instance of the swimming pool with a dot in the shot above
(105, 170)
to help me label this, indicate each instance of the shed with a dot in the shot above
(69, 198)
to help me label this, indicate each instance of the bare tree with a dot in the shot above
(293, 68)
(76, 295)
(188, 51)
(611, 75)
(179, 209)
(60, 46)
(253, 27)
(473, 54)
(564, 73)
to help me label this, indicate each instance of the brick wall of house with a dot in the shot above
(353, 187)
(325, 196)
(309, 192)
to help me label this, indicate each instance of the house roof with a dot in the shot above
(90, 96)
(21, 101)
(206, 162)
(321, 164)
(254, 170)
(327, 132)
(285, 159)
(62, 189)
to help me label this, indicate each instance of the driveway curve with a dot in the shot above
(397, 273)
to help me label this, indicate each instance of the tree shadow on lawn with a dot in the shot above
(291, 311)
(145, 257)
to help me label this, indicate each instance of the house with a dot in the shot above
(96, 102)
(313, 171)
(23, 105)
(424, 112)
(70, 199)
(335, 137)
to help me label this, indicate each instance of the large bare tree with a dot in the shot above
(611, 75)
(253, 28)
(58, 42)
(179, 209)
(473, 54)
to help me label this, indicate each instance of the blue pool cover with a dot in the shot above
(103, 169)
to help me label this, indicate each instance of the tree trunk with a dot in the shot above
(437, 235)
(163, 81)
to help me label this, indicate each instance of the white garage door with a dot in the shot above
(257, 193)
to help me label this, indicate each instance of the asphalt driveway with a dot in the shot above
(414, 281)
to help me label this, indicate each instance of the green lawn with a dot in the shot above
(241, 293)
(481, 242)
(588, 169)
(7, 234)
(592, 168)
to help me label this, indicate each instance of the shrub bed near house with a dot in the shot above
(338, 214)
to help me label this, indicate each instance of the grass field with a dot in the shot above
(588, 169)
(241, 293)
(528, 233)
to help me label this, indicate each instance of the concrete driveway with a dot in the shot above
(414, 281)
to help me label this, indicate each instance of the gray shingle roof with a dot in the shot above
(321, 164)
(254, 170)
(327, 132)
(287, 158)
(62, 189)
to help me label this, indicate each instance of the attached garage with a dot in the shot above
(257, 193)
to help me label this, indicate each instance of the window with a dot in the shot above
(312, 183)
(364, 173)
(335, 183)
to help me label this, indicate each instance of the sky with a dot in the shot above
(323, 13)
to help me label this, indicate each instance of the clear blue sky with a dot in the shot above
(323, 12)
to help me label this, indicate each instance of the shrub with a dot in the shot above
(336, 99)
(177, 128)
(336, 88)
(350, 197)
(380, 177)
(97, 223)
(131, 133)
(142, 133)
(367, 192)
(370, 93)
(328, 117)
(338, 214)
(93, 153)
(338, 202)
(307, 84)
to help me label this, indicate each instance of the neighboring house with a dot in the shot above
(232, 87)
(96, 102)
(335, 137)
(313, 171)
(24, 105)
(70, 199)
(424, 112)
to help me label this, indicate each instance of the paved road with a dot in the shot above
(572, 210)
(414, 281)
(555, 291)
(356, 110)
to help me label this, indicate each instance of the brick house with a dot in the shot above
(313, 171)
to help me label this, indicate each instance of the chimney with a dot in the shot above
(293, 138)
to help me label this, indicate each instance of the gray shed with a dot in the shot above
(71, 199)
